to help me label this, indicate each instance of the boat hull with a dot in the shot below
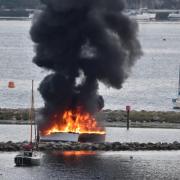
(176, 107)
(73, 137)
(26, 161)
(176, 103)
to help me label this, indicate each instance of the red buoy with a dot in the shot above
(11, 84)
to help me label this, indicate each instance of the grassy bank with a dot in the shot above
(142, 119)
(111, 118)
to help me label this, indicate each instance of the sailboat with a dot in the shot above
(176, 101)
(29, 156)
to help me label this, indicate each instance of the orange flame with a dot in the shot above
(74, 122)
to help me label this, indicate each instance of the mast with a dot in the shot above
(179, 83)
(31, 115)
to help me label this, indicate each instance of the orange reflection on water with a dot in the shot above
(78, 153)
(75, 153)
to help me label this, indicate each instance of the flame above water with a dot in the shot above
(75, 121)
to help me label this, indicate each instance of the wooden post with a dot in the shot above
(128, 108)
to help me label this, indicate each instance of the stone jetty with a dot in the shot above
(74, 146)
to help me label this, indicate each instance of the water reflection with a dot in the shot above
(79, 165)
(75, 153)
(88, 165)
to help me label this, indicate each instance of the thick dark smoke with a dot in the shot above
(83, 42)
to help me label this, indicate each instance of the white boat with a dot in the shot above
(29, 156)
(31, 15)
(144, 17)
(174, 17)
(176, 101)
(73, 137)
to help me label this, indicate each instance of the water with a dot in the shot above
(152, 85)
(22, 132)
(85, 165)
(102, 165)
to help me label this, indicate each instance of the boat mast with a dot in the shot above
(31, 115)
(179, 83)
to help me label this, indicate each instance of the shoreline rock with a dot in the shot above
(106, 146)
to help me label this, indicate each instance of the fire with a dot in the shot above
(75, 121)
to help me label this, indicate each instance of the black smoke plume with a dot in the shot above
(83, 42)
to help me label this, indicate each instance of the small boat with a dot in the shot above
(144, 17)
(174, 17)
(29, 156)
(31, 15)
(176, 101)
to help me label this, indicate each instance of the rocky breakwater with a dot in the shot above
(74, 146)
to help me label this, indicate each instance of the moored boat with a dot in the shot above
(174, 17)
(143, 16)
(29, 156)
(176, 101)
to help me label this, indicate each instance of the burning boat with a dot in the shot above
(73, 137)
(76, 126)
(81, 43)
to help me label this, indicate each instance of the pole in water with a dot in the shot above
(128, 109)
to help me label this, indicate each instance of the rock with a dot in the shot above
(108, 146)
(102, 147)
(115, 146)
(125, 146)
(42, 147)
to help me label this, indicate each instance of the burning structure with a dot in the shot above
(81, 42)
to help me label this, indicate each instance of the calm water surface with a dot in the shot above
(21, 133)
(91, 166)
(152, 84)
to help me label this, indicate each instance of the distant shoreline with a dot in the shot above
(15, 18)
(110, 118)
(114, 124)
(9, 18)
